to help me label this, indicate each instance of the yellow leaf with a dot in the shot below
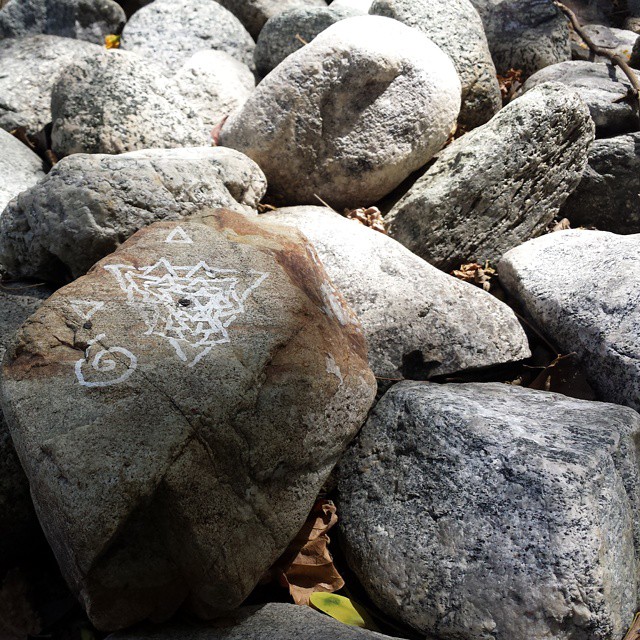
(112, 42)
(342, 609)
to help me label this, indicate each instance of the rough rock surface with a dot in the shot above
(88, 20)
(29, 67)
(285, 32)
(456, 27)
(171, 31)
(608, 196)
(254, 13)
(89, 204)
(489, 511)
(418, 321)
(20, 168)
(362, 6)
(117, 101)
(273, 621)
(351, 115)
(215, 84)
(178, 409)
(18, 522)
(601, 86)
(524, 34)
(484, 195)
(582, 288)
(619, 41)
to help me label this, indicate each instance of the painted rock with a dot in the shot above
(178, 409)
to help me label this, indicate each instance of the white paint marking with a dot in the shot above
(86, 308)
(103, 362)
(178, 236)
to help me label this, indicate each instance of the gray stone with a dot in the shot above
(582, 288)
(18, 521)
(117, 101)
(285, 32)
(524, 34)
(456, 27)
(618, 41)
(171, 31)
(215, 84)
(418, 321)
(20, 168)
(362, 6)
(493, 512)
(90, 204)
(603, 87)
(351, 115)
(88, 20)
(29, 67)
(608, 196)
(273, 621)
(178, 409)
(500, 184)
(254, 13)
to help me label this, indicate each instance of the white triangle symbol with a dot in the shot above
(179, 236)
(86, 308)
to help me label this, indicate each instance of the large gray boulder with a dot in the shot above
(90, 204)
(29, 68)
(524, 34)
(20, 168)
(500, 184)
(604, 89)
(456, 27)
(178, 409)
(618, 41)
(288, 31)
(489, 511)
(362, 6)
(88, 20)
(418, 321)
(254, 13)
(273, 621)
(351, 115)
(117, 101)
(171, 31)
(582, 289)
(608, 196)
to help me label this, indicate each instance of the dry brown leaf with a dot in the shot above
(307, 565)
(369, 217)
(217, 130)
(634, 631)
(509, 83)
(559, 225)
(475, 274)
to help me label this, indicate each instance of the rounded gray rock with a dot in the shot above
(489, 511)
(603, 87)
(498, 185)
(89, 20)
(288, 31)
(351, 115)
(419, 322)
(117, 101)
(524, 34)
(171, 31)
(456, 27)
(582, 288)
(618, 41)
(29, 67)
(608, 196)
(20, 168)
(178, 409)
(362, 6)
(90, 204)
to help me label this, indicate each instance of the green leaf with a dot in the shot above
(342, 609)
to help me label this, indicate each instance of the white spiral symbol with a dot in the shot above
(104, 361)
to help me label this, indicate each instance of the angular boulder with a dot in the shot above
(419, 322)
(90, 204)
(349, 116)
(524, 34)
(20, 168)
(608, 196)
(178, 409)
(484, 511)
(89, 20)
(171, 31)
(117, 101)
(456, 27)
(500, 184)
(582, 289)
(30, 67)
